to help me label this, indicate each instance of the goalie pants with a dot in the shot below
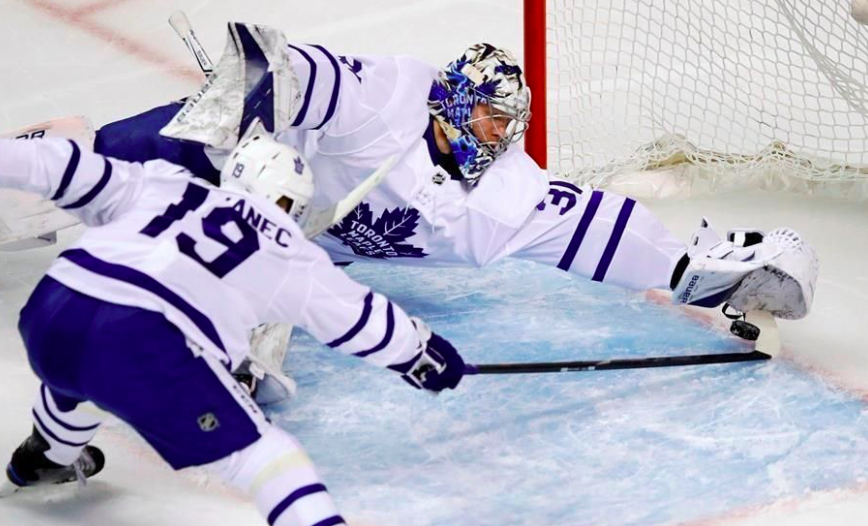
(136, 365)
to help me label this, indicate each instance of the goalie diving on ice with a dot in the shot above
(461, 193)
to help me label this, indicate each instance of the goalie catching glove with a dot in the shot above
(437, 367)
(775, 272)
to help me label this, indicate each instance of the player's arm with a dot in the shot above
(89, 186)
(598, 235)
(351, 318)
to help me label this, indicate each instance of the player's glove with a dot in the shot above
(438, 366)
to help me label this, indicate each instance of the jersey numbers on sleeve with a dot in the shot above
(237, 251)
(562, 194)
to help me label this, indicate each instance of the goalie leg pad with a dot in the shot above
(254, 80)
(268, 346)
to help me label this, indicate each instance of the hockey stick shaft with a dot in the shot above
(608, 365)
(181, 24)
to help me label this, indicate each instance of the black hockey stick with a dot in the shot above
(607, 365)
(766, 345)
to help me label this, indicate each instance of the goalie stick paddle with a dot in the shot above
(766, 347)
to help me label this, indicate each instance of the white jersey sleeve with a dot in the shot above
(345, 315)
(591, 233)
(214, 262)
(85, 184)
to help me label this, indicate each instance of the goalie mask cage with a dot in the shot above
(716, 94)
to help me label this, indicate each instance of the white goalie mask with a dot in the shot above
(262, 166)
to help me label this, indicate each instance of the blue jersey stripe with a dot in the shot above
(614, 240)
(582, 229)
(308, 92)
(98, 187)
(291, 498)
(565, 184)
(131, 276)
(51, 434)
(336, 89)
(71, 166)
(363, 320)
(390, 329)
(59, 421)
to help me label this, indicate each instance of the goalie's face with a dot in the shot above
(495, 128)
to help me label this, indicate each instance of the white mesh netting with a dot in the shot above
(766, 92)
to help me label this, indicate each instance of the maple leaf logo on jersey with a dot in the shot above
(383, 238)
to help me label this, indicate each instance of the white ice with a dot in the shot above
(109, 59)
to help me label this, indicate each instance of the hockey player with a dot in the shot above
(150, 310)
(462, 193)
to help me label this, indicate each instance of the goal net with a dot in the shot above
(715, 94)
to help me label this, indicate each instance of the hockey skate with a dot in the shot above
(30, 467)
(775, 272)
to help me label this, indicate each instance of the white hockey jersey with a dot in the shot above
(359, 110)
(215, 262)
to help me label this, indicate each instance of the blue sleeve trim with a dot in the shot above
(363, 320)
(302, 113)
(336, 89)
(390, 329)
(614, 240)
(582, 229)
(71, 166)
(98, 187)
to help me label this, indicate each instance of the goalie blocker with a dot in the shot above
(775, 272)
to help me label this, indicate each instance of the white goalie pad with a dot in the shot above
(26, 220)
(268, 346)
(254, 78)
(777, 275)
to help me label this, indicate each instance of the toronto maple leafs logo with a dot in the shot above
(384, 238)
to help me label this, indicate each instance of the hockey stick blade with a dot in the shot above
(608, 365)
(181, 24)
(321, 220)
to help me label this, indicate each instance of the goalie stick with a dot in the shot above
(181, 24)
(766, 347)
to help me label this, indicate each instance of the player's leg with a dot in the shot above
(138, 139)
(193, 412)
(57, 450)
(138, 366)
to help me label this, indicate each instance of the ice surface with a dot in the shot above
(619, 447)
